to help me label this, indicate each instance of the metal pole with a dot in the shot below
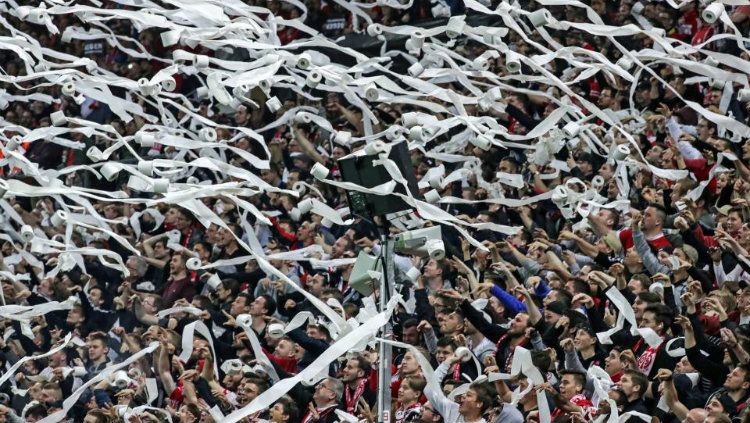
(384, 367)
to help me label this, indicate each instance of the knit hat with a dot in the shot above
(557, 307)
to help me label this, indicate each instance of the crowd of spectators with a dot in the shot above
(673, 251)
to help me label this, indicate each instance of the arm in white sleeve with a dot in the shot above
(688, 151)
(445, 407)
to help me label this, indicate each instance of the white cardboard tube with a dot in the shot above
(539, 17)
(455, 26)
(200, 61)
(303, 61)
(213, 282)
(170, 38)
(621, 152)
(625, 63)
(145, 139)
(27, 233)
(146, 167)
(193, 263)
(413, 273)
(313, 79)
(743, 94)
(342, 137)
(305, 206)
(432, 196)
(109, 171)
(161, 185)
(571, 129)
(69, 89)
(169, 84)
(303, 117)
(59, 218)
(273, 104)
(275, 331)
(598, 182)
(415, 69)
(464, 353)
(512, 62)
(371, 92)
(373, 30)
(482, 141)
(58, 118)
(208, 134)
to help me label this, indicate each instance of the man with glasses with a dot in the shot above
(326, 398)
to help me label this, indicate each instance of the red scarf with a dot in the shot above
(351, 400)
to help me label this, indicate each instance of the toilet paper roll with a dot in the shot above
(482, 141)
(625, 63)
(109, 171)
(598, 182)
(192, 180)
(161, 185)
(716, 84)
(464, 353)
(712, 12)
(512, 62)
(213, 282)
(193, 263)
(303, 61)
(145, 139)
(169, 84)
(455, 26)
(170, 38)
(273, 104)
(583, 209)
(305, 206)
(4, 187)
(27, 233)
(69, 89)
(58, 118)
(559, 194)
(319, 171)
(415, 69)
(410, 119)
(201, 93)
(208, 134)
(300, 188)
(145, 87)
(432, 196)
(342, 137)
(394, 132)
(265, 85)
(415, 41)
(14, 142)
(313, 79)
(416, 133)
(711, 61)
(374, 148)
(295, 215)
(494, 94)
(244, 320)
(637, 8)
(412, 47)
(743, 94)
(480, 64)
(146, 167)
(303, 117)
(436, 181)
(275, 331)
(373, 30)
(201, 61)
(413, 273)
(435, 249)
(371, 92)
(621, 152)
(540, 17)
(94, 154)
(571, 129)
(59, 218)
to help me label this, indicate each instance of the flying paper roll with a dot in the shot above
(415, 69)
(160, 186)
(273, 104)
(571, 129)
(275, 331)
(412, 47)
(27, 233)
(213, 282)
(374, 148)
(625, 63)
(208, 134)
(200, 61)
(416, 133)
(744, 95)
(146, 167)
(373, 30)
(265, 85)
(342, 137)
(712, 12)
(413, 273)
(193, 263)
(69, 89)
(305, 205)
(480, 64)
(371, 92)
(464, 353)
(432, 196)
(120, 379)
(415, 41)
(145, 87)
(637, 8)
(621, 152)
(598, 182)
(170, 38)
(59, 218)
(394, 132)
(169, 84)
(244, 320)
(559, 194)
(716, 84)
(109, 171)
(455, 26)
(512, 62)
(192, 180)
(313, 79)
(303, 117)
(540, 17)
(145, 139)
(482, 141)
(95, 154)
(319, 171)
(303, 61)
(58, 118)
(435, 249)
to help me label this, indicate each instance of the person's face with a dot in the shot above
(736, 380)
(185, 415)
(605, 99)
(351, 371)
(746, 150)
(569, 387)
(551, 317)
(90, 419)
(432, 269)
(247, 393)
(96, 350)
(182, 222)
(222, 293)
(305, 231)
(149, 305)
(410, 335)
(684, 367)
(429, 414)
(277, 413)
(519, 324)
(714, 406)
(160, 250)
(258, 307)
(612, 363)
(339, 247)
(469, 403)
(201, 251)
(406, 395)
(443, 353)
(176, 264)
(338, 153)
(734, 222)
(627, 386)
(703, 130)
(239, 306)
(649, 321)
(409, 364)
(583, 340)
(650, 219)
(453, 323)
(323, 392)
(635, 286)
(95, 296)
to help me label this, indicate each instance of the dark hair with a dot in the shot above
(270, 304)
(362, 363)
(662, 314)
(290, 408)
(638, 379)
(580, 377)
(447, 341)
(232, 285)
(649, 297)
(484, 395)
